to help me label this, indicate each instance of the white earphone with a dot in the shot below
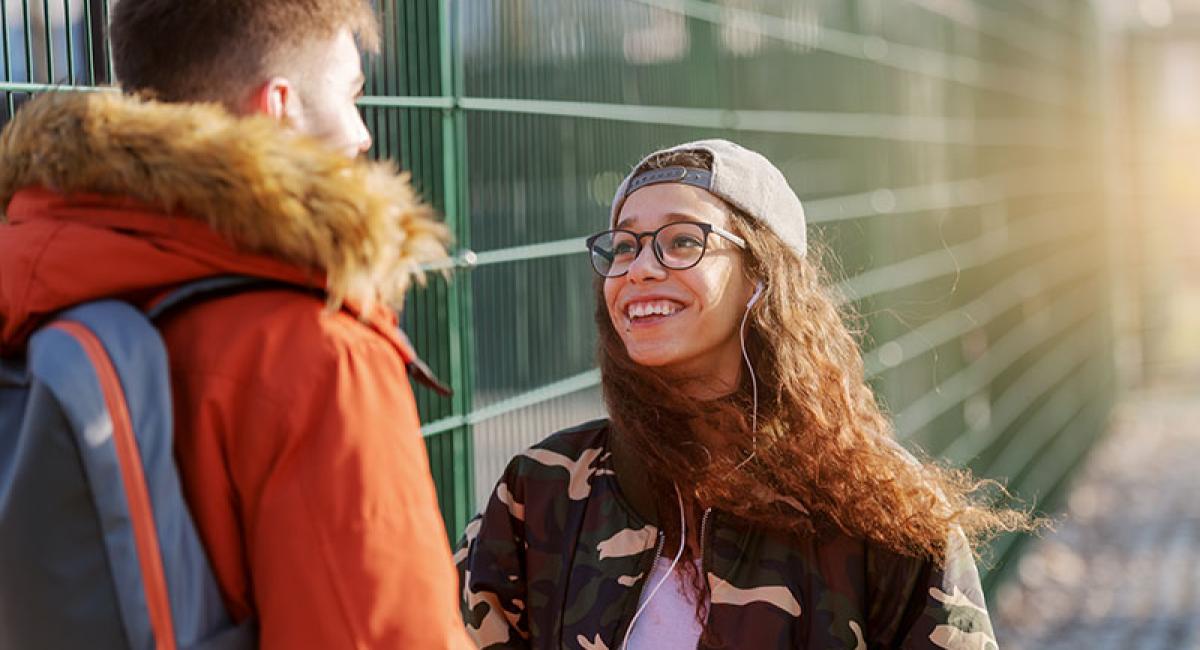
(758, 290)
(759, 287)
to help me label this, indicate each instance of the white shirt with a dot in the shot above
(669, 621)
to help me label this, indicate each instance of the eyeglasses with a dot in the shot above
(678, 246)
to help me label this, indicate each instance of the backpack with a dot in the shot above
(97, 546)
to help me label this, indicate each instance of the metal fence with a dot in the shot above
(947, 153)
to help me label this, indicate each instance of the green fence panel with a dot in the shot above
(947, 155)
(946, 158)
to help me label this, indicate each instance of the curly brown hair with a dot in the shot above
(824, 456)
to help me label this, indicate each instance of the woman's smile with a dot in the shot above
(648, 312)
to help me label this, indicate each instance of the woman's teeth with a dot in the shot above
(654, 308)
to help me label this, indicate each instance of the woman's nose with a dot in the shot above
(646, 266)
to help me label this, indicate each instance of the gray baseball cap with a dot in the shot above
(743, 178)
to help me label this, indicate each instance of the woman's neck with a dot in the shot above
(707, 389)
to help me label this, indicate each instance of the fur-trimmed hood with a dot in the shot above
(265, 189)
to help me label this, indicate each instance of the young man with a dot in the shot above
(296, 431)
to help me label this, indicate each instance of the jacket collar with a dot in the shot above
(265, 190)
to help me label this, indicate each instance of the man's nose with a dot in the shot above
(361, 136)
(364, 139)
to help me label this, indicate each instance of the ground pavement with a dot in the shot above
(1122, 569)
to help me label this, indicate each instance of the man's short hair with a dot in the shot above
(214, 50)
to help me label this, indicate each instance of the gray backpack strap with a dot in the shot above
(230, 284)
(212, 287)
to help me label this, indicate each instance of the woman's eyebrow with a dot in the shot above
(670, 217)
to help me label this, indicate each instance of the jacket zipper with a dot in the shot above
(662, 538)
(703, 575)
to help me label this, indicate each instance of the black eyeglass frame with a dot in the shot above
(706, 228)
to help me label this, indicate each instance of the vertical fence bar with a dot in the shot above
(97, 28)
(4, 40)
(89, 41)
(48, 32)
(457, 442)
(384, 85)
(69, 30)
(105, 41)
(28, 38)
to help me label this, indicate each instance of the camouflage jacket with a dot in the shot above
(557, 559)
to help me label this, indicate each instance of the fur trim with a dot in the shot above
(267, 189)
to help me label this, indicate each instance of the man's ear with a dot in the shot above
(274, 98)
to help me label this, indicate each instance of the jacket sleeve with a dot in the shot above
(491, 568)
(340, 537)
(918, 605)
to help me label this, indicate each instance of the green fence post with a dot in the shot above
(454, 481)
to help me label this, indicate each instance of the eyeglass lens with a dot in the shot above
(676, 246)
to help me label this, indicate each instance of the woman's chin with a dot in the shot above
(669, 364)
(651, 359)
(652, 354)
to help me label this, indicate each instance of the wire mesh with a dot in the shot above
(946, 153)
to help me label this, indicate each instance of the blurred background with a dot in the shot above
(1006, 191)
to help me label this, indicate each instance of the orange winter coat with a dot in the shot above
(296, 430)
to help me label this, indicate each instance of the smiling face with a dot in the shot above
(683, 322)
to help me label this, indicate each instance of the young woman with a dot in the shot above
(746, 492)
